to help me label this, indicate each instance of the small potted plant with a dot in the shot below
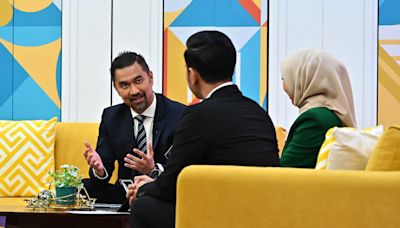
(66, 180)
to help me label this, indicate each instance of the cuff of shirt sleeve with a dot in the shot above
(98, 177)
(160, 167)
(156, 171)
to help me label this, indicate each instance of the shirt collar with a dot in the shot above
(219, 87)
(150, 111)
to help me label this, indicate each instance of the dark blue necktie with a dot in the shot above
(141, 134)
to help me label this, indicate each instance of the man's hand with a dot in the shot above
(144, 164)
(94, 159)
(133, 188)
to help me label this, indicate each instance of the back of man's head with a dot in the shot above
(125, 59)
(212, 55)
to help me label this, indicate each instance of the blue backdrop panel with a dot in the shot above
(35, 29)
(250, 68)
(6, 60)
(231, 13)
(31, 102)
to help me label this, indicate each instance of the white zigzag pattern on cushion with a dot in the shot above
(3, 154)
(40, 166)
(20, 183)
(15, 174)
(11, 136)
(21, 173)
(28, 156)
(29, 148)
(31, 191)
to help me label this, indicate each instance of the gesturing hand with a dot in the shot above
(133, 188)
(143, 164)
(93, 159)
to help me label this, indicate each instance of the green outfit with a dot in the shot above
(306, 137)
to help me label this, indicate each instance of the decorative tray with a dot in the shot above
(46, 199)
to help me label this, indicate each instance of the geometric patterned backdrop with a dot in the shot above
(244, 21)
(30, 59)
(389, 62)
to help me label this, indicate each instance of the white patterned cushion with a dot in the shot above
(348, 148)
(26, 156)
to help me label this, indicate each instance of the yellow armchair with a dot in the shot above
(231, 196)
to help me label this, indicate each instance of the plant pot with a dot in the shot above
(68, 195)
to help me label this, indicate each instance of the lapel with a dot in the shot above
(159, 120)
(128, 141)
(126, 125)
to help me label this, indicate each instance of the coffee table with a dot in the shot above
(21, 217)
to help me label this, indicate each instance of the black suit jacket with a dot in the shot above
(226, 129)
(116, 137)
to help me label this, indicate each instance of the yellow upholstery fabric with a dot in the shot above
(26, 156)
(69, 149)
(281, 138)
(237, 197)
(386, 155)
(69, 145)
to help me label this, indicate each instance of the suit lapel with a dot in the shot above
(159, 120)
(127, 129)
(127, 136)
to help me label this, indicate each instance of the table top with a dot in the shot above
(19, 216)
(16, 205)
(4, 210)
(18, 209)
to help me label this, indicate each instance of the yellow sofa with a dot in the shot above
(68, 150)
(229, 196)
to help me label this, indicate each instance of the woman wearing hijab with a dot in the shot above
(318, 84)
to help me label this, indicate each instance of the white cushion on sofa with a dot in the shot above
(352, 147)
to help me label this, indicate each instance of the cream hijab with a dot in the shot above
(315, 78)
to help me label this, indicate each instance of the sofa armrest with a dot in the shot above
(229, 196)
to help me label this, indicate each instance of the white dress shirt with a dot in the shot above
(147, 122)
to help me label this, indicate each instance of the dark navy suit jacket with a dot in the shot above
(225, 129)
(116, 137)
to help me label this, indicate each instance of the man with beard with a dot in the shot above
(226, 128)
(145, 119)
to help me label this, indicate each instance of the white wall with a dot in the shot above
(345, 28)
(95, 31)
(86, 47)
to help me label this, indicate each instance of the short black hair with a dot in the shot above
(125, 59)
(212, 54)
